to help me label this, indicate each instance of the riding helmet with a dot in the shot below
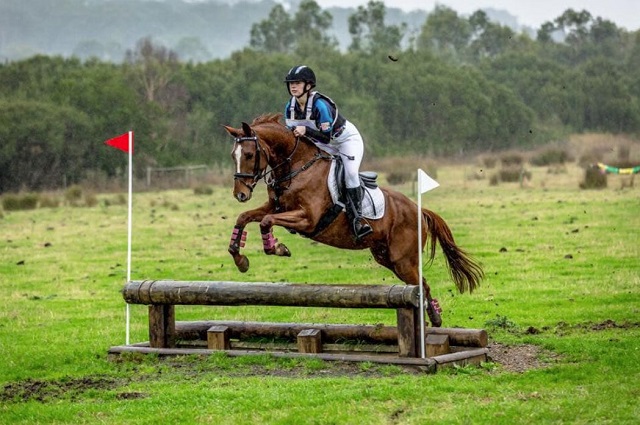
(301, 73)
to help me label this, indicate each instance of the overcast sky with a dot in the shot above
(533, 13)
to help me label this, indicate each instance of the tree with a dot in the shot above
(151, 66)
(583, 37)
(310, 25)
(42, 145)
(370, 34)
(274, 34)
(304, 33)
(608, 104)
(489, 39)
(445, 33)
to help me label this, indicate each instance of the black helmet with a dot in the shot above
(301, 73)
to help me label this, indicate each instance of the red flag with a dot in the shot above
(121, 142)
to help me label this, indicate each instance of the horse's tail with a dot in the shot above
(465, 272)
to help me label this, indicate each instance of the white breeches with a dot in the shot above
(350, 144)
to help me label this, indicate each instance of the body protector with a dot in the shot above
(312, 117)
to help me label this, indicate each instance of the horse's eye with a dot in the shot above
(248, 156)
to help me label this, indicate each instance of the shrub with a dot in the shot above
(551, 156)
(73, 195)
(399, 177)
(49, 201)
(14, 202)
(557, 169)
(511, 174)
(512, 159)
(90, 200)
(203, 190)
(120, 199)
(488, 161)
(593, 179)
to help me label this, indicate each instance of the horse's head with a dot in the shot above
(250, 160)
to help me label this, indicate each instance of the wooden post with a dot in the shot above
(310, 341)
(162, 326)
(437, 345)
(218, 338)
(408, 332)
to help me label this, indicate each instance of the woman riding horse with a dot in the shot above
(315, 116)
(296, 172)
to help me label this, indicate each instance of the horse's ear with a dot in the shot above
(232, 131)
(248, 132)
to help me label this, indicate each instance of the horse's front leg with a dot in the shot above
(239, 235)
(294, 220)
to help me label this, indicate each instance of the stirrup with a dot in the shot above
(362, 230)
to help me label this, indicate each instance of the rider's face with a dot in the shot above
(297, 88)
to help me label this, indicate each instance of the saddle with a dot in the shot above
(372, 202)
(368, 180)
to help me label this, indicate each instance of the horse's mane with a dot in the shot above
(267, 118)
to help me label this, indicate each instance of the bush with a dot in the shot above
(11, 202)
(488, 161)
(513, 159)
(399, 177)
(73, 195)
(90, 200)
(551, 156)
(49, 201)
(119, 199)
(511, 174)
(203, 190)
(594, 179)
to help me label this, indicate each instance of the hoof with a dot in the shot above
(282, 250)
(433, 311)
(243, 264)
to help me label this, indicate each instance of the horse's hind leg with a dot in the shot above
(406, 268)
(271, 245)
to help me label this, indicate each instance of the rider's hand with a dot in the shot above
(299, 131)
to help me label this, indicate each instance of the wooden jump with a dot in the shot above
(272, 294)
(398, 344)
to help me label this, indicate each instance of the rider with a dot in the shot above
(312, 114)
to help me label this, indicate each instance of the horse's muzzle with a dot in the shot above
(242, 197)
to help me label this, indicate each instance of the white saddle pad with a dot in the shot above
(372, 201)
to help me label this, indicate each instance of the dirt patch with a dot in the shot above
(520, 358)
(45, 391)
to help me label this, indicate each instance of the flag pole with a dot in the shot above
(421, 292)
(129, 217)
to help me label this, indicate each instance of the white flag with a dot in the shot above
(425, 183)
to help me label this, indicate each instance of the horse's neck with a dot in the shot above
(295, 152)
(290, 158)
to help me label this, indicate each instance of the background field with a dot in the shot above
(563, 275)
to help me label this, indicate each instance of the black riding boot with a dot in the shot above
(354, 213)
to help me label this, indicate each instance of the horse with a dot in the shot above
(295, 171)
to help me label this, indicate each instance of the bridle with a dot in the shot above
(257, 172)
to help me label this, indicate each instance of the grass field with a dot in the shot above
(563, 276)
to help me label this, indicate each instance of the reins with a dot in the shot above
(264, 174)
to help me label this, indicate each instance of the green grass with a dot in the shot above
(569, 270)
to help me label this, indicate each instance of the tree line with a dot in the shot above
(463, 85)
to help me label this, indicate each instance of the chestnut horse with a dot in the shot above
(295, 171)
